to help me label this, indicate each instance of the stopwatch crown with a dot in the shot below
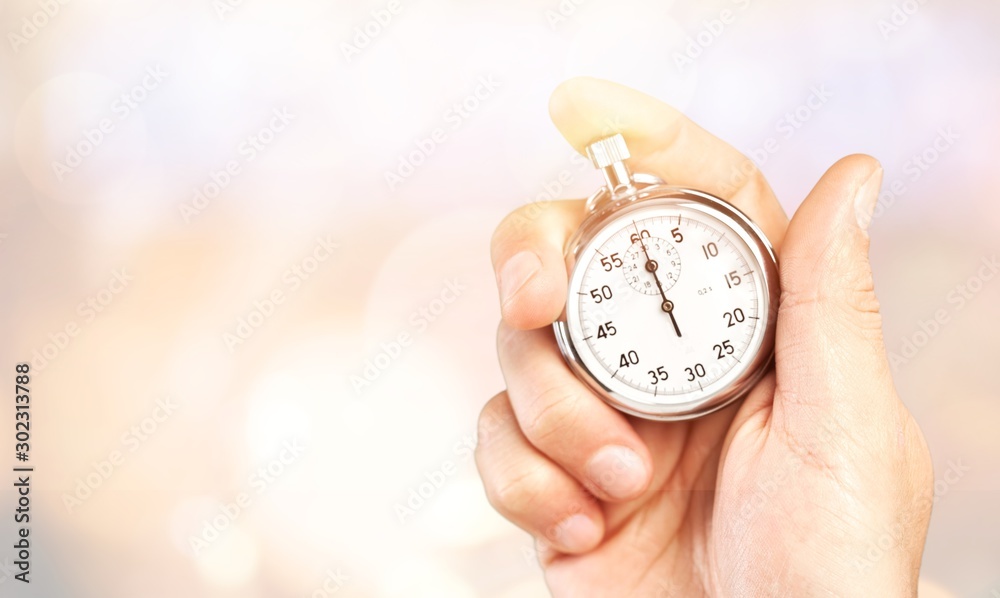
(608, 151)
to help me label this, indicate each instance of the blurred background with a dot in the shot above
(245, 247)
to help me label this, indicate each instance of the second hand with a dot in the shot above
(652, 266)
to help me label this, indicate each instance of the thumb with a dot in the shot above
(830, 355)
(835, 407)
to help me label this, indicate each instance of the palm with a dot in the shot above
(710, 516)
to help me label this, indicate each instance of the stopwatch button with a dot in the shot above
(608, 151)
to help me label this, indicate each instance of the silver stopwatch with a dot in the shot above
(672, 295)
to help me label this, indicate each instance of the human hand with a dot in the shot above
(818, 483)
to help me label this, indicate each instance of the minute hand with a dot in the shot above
(667, 305)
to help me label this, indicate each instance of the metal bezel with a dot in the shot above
(650, 194)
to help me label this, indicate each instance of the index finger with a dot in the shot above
(528, 246)
(665, 143)
(528, 257)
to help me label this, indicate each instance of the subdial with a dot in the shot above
(649, 256)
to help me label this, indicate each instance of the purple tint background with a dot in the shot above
(170, 332)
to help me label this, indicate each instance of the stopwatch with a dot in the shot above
(672, 295)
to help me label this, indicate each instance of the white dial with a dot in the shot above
(668, 305)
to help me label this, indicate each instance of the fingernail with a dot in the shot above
(619, 471)
(576, 533)
(866, 198)
(516, 272)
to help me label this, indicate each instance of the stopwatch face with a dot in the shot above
(668, 310)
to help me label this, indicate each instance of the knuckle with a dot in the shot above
(796, 300)
(495, 415)
(535, 222)
(861, 304)
(516, 223)
(748, 183)
(556, 412)
(836, 288)
(818, 445)
(505, 337)
(518, 492)
(850, 277)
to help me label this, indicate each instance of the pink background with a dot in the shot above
(168, 334)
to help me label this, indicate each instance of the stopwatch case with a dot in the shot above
(648, 191)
